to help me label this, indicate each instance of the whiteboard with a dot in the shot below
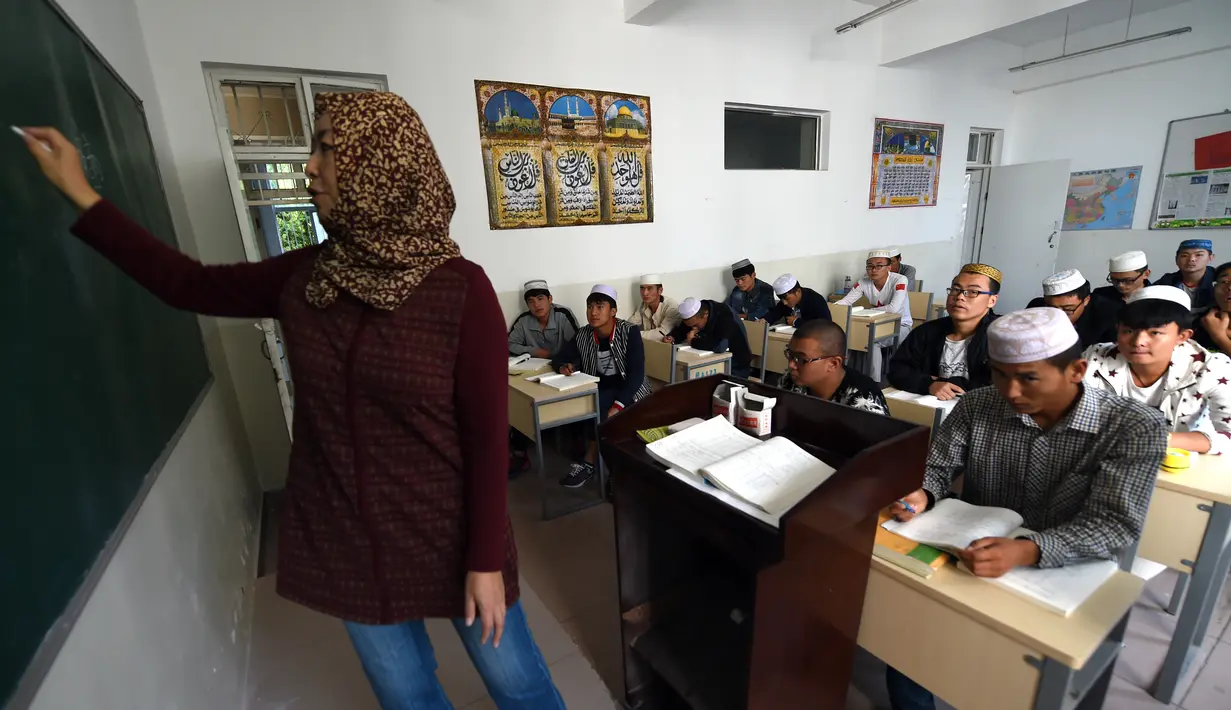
(1190, 196)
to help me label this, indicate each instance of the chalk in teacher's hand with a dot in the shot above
(23, 134)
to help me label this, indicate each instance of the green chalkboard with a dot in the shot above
(97, 374)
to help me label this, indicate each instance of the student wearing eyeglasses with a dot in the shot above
(885, 290)
(816, 360)
(1127, 273)
(947, 357)
(1094, 318)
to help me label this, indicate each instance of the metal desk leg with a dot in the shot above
(1209, 572)
(1177, 594)
(538, 450)
(598, 454)
(1061, 687)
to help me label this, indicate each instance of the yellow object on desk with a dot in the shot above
(1176, 460)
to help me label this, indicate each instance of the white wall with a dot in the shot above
(698, 58)
(166, 627)
(1120, 119)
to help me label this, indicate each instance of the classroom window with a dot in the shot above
(774, 138)
(265, 183)
(263, 114)
(981, 147)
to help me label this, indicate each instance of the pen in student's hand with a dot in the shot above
(909, 508)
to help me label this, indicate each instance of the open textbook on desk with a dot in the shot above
(953, 524)
(523, 364)
(771, 476)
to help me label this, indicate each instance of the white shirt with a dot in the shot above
(953, 359)
(1152, 395)
(891, 297)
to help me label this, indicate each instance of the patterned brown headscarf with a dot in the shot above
(390, 226)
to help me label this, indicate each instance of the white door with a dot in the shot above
(1021, 227)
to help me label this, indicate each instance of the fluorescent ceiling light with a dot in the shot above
(863, 19)
(1104, 48)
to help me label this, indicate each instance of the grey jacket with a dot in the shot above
(527, 335)
(909, 272)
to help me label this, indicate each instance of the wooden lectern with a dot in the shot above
(720, 610)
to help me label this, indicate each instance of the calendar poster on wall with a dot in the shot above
(905, 164)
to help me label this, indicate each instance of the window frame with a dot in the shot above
(987, 153)
(820, 162)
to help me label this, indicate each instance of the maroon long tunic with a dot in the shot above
(397, 484)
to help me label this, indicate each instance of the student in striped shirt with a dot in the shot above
(611, 350)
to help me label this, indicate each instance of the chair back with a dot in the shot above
(659, 361)
(920, 305)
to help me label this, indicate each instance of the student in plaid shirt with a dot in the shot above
(1077, 463)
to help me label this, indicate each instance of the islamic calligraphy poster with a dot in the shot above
(556, 157)
(628, 198)
(575, 187)
(518, 190)
(905, 164)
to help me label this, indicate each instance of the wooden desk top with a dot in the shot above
(690, 358)
(1208, 478)
(1070, 641)
(541, 393)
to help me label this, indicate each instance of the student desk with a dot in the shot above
(980, 647)
(691, 366)
(864, 330)
(535, 408)
(1188, 528)
(872, 330)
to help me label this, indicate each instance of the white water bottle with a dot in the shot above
(846, 285)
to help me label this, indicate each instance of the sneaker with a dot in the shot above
(578, 474)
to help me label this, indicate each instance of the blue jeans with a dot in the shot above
(401, 665)
(906, 694)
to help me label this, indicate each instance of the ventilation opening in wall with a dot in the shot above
(775, 138)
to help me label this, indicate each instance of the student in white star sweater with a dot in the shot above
(1155, 361)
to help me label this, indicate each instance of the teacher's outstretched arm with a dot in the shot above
(244, 290)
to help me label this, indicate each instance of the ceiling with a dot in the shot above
(1080, 17)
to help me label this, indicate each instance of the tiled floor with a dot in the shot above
(302, 660)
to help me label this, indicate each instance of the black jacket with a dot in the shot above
(722, 332)
(812, 306)
(917, 360)
(1111, 293)
(1205, 292)
(1097, 323)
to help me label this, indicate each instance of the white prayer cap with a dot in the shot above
(894, 251)
(536, 285)
(880, 254)
(651, 280)
(1162, 293)
(689, 307)
(1030, 336)
(784, 284)
(1128, 261)
(604, 290)
(1066, 281)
